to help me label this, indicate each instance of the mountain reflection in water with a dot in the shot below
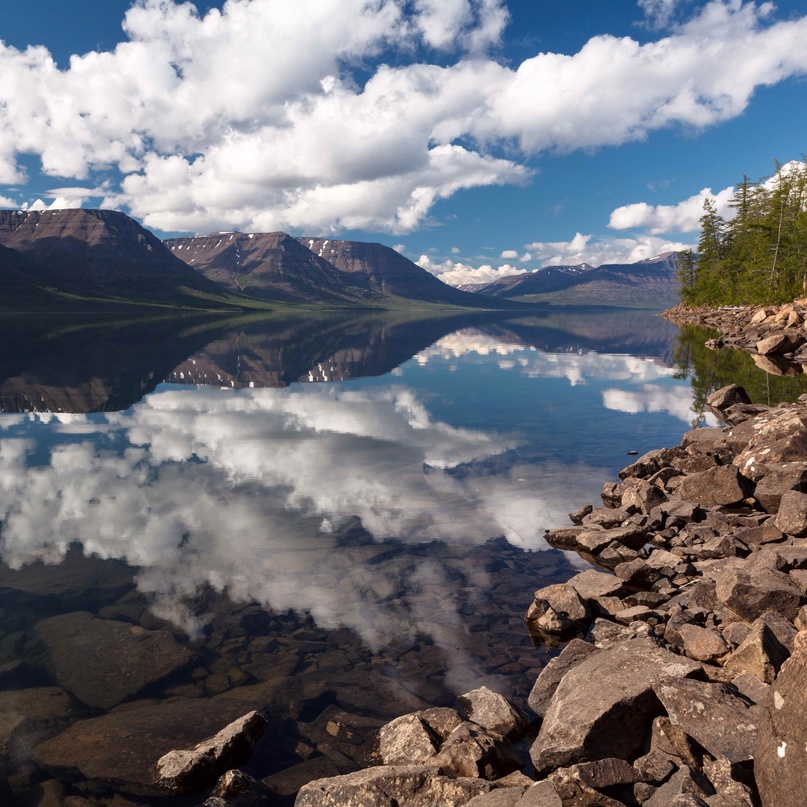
(367, 546)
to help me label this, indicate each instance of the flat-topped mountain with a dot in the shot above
(102, 255)
(270, 266)
(388, 272)
(648, 283)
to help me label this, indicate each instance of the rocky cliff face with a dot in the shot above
(271, 266)
(100, 254)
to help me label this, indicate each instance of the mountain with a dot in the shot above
(270, 266)
(390, 273)
(103, 255)
(18, 291)
(650, 283)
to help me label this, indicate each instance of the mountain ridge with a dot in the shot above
(650, 281)
(101, 255)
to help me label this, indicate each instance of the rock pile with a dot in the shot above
(775, 336)
(690, 686)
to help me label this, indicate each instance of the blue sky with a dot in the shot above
(478, 137)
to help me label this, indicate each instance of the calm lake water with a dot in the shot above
(338, 519)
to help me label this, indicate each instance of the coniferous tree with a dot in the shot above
(760, 255)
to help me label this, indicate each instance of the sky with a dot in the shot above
(476, 137)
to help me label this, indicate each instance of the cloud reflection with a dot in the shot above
(246, 491)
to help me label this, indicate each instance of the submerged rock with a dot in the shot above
(103, 662)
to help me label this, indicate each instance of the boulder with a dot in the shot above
(29, 716)
(184, 771)
(791, 516)
(557, 610)
(710, 714)
(777, 436)
(731, 791)
(494, 712)
(475, 752)
(702, 644)
(104, 662)
(750, 590)
(591, 584)
(760, 654)
(407, 740)
(686, 781)
(142, 735)
(779, 343)
(604, 706)
(727, 396)
(779, 478)
(500, 797)
(551, 675)
(721, 485)
(384, 786)
(781, 749)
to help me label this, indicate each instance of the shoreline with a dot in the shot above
(774, 336)
(684, 673)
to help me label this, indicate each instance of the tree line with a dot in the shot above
(759, 255)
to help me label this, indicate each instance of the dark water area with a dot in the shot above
(335, 519)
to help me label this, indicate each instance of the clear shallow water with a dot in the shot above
(368, 542)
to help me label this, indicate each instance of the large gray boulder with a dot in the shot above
(551, 675)
(721, 485)
(104, 662)
(390, 785)
(605, 705)
(751, 590)
(710, 714)
(781, 749)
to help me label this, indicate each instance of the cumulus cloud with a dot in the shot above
(597, 251)
(457, 273)
(683, 217)
(223, 121)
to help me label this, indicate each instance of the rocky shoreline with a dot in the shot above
(774, 336)
(683, 679)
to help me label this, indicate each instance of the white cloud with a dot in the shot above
(659, 13)
(456, 273)
(683, 217)
(225, 122)
(597, 251)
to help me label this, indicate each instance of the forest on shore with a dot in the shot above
(759, 255)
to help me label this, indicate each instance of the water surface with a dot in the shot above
(323, 515)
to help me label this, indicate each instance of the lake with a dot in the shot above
(339, 519)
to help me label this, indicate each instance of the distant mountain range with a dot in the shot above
(279, 268)
(103, 259)
(651, 283)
